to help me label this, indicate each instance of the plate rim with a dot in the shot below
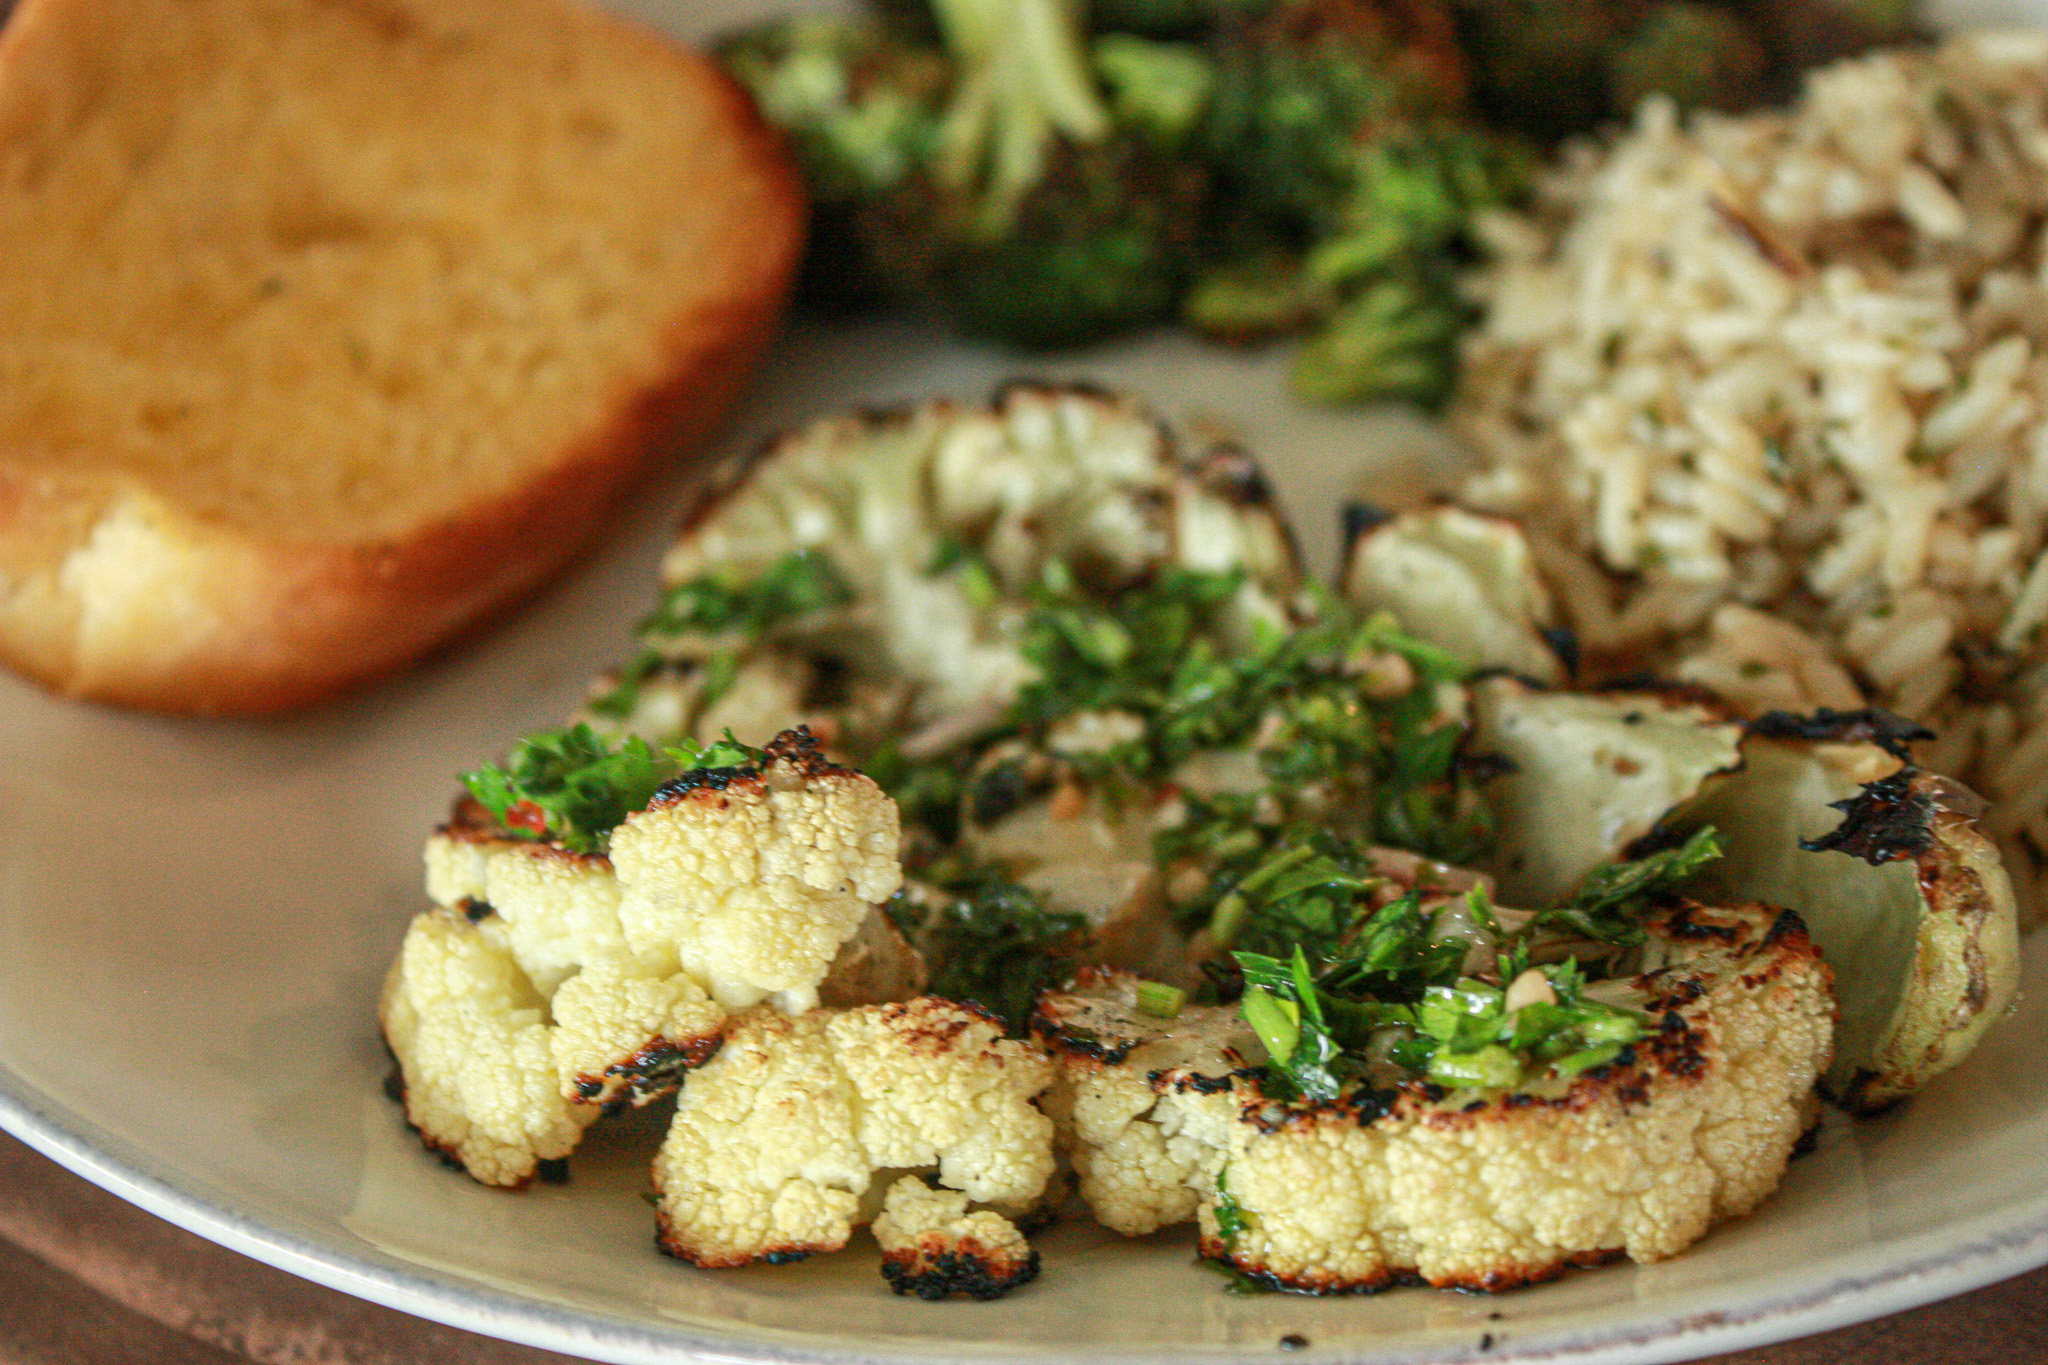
(1862, 1286)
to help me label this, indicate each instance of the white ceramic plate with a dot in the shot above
(194, 918)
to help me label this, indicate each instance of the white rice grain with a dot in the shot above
(1714, 447)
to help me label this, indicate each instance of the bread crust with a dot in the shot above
(111, 591)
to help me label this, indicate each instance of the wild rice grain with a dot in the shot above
(1773, 390)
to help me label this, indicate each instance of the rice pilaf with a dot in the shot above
(1768, 392)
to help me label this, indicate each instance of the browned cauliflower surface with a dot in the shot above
(1474, 1189)
(776, 1141)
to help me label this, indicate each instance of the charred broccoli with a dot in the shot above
(861, 110)
(1376, 288)
(1699, 56)
(1034, 199)
(1552, 68)
(1256, 168)
(1301, 93)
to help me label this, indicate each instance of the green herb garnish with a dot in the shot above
(801, 582)
(998, 945)
(1231, 1219)
(1160, 1000)
(1609, 906)
(572, 787)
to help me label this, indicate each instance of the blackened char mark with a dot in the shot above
(1889, 819)
(970, 1270)
(1872, 725)
(798, 748)
(1232, 474)
(1362, 519)
(1686, 926)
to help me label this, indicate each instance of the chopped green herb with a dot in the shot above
(572, 787)
(1284, 1007)
(1609, 905)
(799, 583)
(1231, 1219)
(1160, 1000)
(1237, 1284)
(998, 945)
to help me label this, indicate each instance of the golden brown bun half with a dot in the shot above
(329, 326)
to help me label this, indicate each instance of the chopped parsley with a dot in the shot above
(1608, 907)
(997, 945)
(799, 583)
(1231, 1219)
(721, 605)
(1360, 986)
(573, 787)
(1160, 1000)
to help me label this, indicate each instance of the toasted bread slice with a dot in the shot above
(328, 326)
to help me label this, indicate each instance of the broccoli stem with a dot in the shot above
(1023, 78)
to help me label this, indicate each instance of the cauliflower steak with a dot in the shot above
(1474, 1187)
(548, 983)
(871, 573)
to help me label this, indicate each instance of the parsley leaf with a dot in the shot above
(998, 945)
(1609, 906)
(801, 582)
(1284, 1007)
(572, 787)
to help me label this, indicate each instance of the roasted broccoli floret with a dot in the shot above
(1349, 189)
(1300, 93)
(1173, 18)
(1538, 66)
(1375, 288)
(861, 109)
(990, 173)
(1395, 338)
(1040, 219)
(1698, 56)
(1552, 68)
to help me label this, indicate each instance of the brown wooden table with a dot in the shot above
(86, 1279)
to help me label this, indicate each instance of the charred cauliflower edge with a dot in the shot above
(547, 985)
(1477, 1190)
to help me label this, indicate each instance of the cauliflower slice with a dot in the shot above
(1887, 866)
(933, 1247)
(924, 531)
(776, 1140)
(549, 985)
(1133, 1099)
(1459, 579)
(1475, 1189)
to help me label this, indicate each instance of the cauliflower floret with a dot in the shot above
(779, 1136)
(933, 1247)
(476, 1056)
(756, 876)
(622, 970)
(1131, 1101)
(1474, 1189)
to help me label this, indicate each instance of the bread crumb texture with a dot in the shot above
(328, 325)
